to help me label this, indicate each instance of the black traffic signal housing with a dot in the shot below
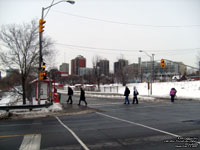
(41, 25)
(43, 66)
(44, 75)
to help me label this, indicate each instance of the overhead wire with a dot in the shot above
(109, 50)
(125, 23)
(89, 48)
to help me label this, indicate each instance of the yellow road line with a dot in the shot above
(16, 135)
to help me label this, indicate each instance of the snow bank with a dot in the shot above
(9, 98)
(39, 112)
(185, 89)
(55, 107)
(3, 114)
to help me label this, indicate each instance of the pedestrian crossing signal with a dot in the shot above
(162, 63)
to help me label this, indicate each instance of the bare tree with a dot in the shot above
(20, 49)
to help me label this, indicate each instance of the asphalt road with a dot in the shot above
(114, 126)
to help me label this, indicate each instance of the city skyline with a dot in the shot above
(79, 64)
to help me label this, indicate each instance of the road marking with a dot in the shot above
(9, 125)
(138, 124)
(75, 136)
(31, 142)
(15, 135)
(141, 125)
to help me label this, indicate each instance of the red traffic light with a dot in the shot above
(44, 75)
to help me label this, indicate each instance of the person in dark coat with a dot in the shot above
(173, 94)
(126, 94)
(70, 93)
(135, 94)
(82, 97)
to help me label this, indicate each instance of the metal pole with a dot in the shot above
(152, 72)
(151, 60)
(40, 60)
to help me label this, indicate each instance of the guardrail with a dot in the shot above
(30, 107)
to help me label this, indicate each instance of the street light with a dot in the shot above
(40, 40)
(152, 67)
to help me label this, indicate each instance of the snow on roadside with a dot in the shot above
(55, 107)
(185, 89)
(39, 112)
(9, 98)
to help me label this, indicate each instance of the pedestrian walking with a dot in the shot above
(173, 94)
(126, 94)
(82, 97)
(135, 94)
(70, 94)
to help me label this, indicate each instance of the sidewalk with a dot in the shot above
(72, 109)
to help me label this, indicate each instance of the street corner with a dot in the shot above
(74, 109)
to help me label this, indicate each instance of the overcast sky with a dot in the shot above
(112, 29)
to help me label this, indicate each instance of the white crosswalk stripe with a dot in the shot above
(31, 142)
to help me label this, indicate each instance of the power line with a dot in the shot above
(96, 48)
(126, 50)
(130, 24)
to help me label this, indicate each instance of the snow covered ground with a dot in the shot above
(11, 98)
(185, 89)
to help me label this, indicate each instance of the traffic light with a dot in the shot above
(43, 66)
(41, 25)
(162, 63)
(41, 76)
(44, 75)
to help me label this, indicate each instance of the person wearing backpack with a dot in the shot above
(135, 94)
(70, 93)
(126, 94)
(173, 94)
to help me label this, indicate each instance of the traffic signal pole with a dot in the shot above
(41, 22)
(40, 55)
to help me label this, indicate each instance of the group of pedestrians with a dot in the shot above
(126, 94)
(82, 96)
(135, 94)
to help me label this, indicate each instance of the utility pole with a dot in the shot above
(41, 26)
(152, 68)
(152, 72)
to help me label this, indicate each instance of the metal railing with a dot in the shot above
(30, 107)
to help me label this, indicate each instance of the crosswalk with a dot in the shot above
(31, 142)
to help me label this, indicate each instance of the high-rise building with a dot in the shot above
(118, 66)
(103, 66)
(85, 71)
(64, 67)
(76, 64)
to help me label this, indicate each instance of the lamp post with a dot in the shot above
(152, 67)
(40, 40)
